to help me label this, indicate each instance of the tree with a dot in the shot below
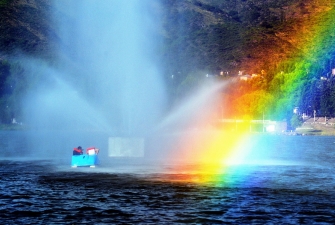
(254, 104)
(296, 121)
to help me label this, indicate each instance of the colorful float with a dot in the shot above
(90, 159)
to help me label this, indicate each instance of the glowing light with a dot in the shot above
(271, 128)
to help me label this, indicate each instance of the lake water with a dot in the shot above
(293, 183)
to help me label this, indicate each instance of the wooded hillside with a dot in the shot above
(201, 37)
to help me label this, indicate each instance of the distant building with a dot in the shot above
(275, 126)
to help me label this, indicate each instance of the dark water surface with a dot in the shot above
(297, 188)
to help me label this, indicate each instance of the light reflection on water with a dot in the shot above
(292, 184)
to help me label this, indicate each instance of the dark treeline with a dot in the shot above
(201, 37)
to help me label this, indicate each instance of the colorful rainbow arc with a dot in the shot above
(222, 151)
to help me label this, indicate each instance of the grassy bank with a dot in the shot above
(12, 127)
(307, 128)
(316, 128)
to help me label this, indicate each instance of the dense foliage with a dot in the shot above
(264, 38)
(287, 45)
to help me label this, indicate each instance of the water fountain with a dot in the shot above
(103, 85)
(105, 77)
(105, 88)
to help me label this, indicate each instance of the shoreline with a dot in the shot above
(308, 128)
(13, 127)
(321, 126)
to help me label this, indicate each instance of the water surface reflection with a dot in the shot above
(295, 185)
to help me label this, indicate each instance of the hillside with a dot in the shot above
(25, 27)
(199, 37)
(208, 35)
(286, 45)
(232, 35)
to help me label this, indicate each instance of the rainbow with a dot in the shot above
(313, 49)
(222, 153)
(217, 156)
(301, 51)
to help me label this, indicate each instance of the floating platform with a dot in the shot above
(84, 160)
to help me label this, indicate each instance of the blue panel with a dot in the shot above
(84, 160)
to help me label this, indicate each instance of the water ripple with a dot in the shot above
(36, 193)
